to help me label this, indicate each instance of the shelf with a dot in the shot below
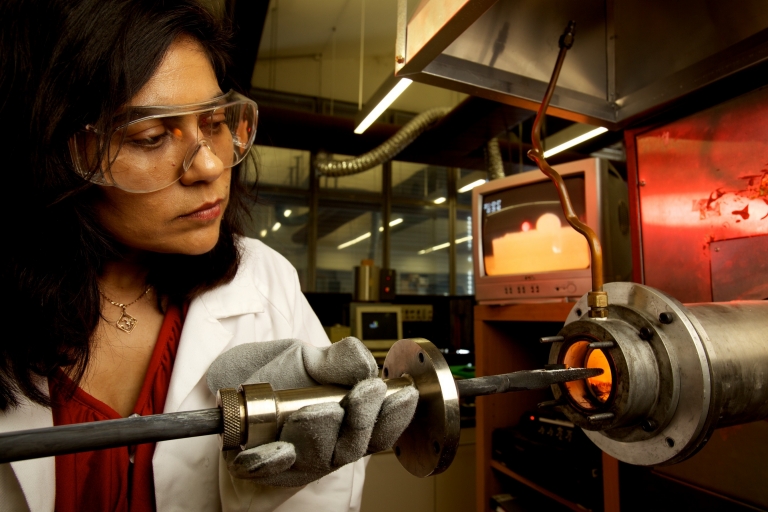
(501, 468)
(534, 312)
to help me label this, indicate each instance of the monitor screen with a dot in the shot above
(524, 230)
(379, 325)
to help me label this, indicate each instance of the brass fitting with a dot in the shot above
(598, 304)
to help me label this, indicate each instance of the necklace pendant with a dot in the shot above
(126, 322)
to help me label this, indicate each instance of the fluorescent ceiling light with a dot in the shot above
(392, 223)
(470, 186)
(287, 213)
(353, 242)
(276, 226)
(367, 235)
(439, 200)
(575, 141)
(445, 245)
(401, 85)
(263, 233)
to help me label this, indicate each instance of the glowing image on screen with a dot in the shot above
(525, 232)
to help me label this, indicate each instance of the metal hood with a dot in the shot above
(631, 57)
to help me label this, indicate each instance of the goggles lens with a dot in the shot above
(152, 147)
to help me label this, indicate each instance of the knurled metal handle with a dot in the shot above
(233, 413)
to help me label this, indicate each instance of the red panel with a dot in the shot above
(701, 179)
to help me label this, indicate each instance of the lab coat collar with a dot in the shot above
(203, 337)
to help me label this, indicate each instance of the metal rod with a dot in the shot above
(537, 155)
(521, 381)
(98, 435)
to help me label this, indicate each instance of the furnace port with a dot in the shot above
(672, 373)
(595, 392)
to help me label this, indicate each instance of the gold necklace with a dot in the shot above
(126, 322)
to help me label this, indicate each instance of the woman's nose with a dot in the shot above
(204, 166)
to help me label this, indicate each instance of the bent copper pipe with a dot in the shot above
(598, 301)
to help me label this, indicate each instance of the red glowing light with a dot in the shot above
(526, 226)
(533, 418)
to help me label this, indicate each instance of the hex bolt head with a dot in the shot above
(649, 425)
(666, 317)
(646, 334)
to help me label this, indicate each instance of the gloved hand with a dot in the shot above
(317, 439)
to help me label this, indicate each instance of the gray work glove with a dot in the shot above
(317, 439)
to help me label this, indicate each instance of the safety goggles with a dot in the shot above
(153, 146)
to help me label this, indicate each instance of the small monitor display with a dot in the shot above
(524, 230)
(378, 325)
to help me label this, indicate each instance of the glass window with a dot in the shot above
(419, 251)
(345, 236)
(282, 167)
(281, 223)
(368, 181)
(419, 181)
(465, 278)
(467, 180)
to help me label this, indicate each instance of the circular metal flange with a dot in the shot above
(428, 445)
(685, 424)
(644, 388)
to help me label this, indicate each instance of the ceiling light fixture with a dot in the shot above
(470, 186)
(445, 245)
(353, 242)
(386, 94)
(439, 200)
(391, 223)
(575, 141)
(287, 213)
(263, 233)
(276, 226)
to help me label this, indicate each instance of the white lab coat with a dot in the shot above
(262, 303)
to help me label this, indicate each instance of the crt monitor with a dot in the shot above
(525, 250)
(378, 326)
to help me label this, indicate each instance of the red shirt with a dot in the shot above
(117, 479)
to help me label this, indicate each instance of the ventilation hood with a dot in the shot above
(631, 58)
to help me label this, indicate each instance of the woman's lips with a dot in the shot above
(207, 211)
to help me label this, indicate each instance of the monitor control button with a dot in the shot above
(570, 288)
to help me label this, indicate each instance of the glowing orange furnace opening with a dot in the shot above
(601, 385)
(595, 391)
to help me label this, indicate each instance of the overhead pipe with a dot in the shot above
(495, 163)
(386, 151)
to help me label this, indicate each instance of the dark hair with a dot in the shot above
(64, 64)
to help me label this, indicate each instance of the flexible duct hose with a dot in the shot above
(386, 151)
(495, 163)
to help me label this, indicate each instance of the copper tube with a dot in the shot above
(537, 154)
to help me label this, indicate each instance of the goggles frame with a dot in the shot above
(132, 115)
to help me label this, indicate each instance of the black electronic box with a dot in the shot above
(552, 452)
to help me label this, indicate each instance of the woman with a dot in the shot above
(126, 275)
